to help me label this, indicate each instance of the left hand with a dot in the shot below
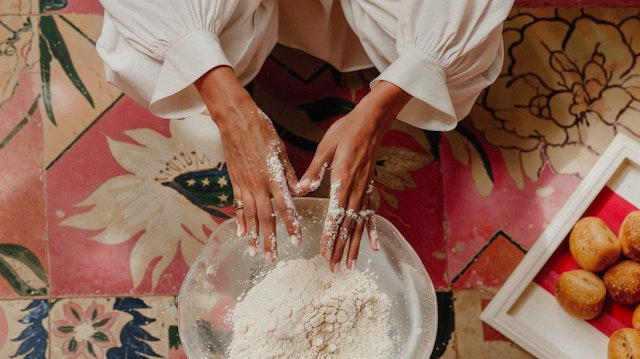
(349, 149)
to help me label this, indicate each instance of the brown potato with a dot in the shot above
(635, 318)
(580, 293)
(623, 282)
(629, 236)
(593, 244)
(624, 343)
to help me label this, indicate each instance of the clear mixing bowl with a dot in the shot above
(223, 272)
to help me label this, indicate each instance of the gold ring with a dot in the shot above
(237, 204)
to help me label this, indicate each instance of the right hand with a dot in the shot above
(256, 158)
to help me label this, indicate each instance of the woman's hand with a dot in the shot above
(256, 159)
(349, 149)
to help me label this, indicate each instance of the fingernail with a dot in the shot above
(336, 267)
(304, 183)
(239, 231)
(314, 185)
(269, 257)
(374, 240)
(295, 240)
(351, 263)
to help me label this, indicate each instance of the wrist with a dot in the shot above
(389, 97)
(384, 102)
(223, 94)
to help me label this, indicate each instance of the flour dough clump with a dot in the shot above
(302, 310)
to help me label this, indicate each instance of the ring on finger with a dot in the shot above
(353, 215)
(237, 204)
(366, 214)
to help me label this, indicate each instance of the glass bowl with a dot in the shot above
(223, 272)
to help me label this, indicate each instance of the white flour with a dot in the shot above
(301, 310)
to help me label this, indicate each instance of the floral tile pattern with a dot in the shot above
(112, 327)
(104, 206)
(137, 212)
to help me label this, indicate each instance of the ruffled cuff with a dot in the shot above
(190, 58)
(431, 107)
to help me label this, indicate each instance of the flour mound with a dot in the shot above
(302, 310)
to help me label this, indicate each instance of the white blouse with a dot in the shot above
(442, 52)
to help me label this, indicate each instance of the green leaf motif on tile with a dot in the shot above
(22, 269)
(75, 314)
(91, 350)
(100, 337)
(174, 337)
(45, 75)
(73, 345)
(52, 5)
(52, 46)
(101, 323)
(66, 329)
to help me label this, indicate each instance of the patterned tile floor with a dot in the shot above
(98, 226)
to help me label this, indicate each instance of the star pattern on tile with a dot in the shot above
(210, 188)
(222, 181)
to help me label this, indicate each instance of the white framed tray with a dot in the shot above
(525, 309)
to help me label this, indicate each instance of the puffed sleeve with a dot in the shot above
(442, 52)
(153, 50)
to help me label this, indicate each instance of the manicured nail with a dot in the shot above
(269, 257)
(351, 263)
(295, 240)
(373, 237)
(336, 268)
(304, 184)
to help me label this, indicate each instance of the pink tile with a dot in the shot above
(492, 266)
(473, 218)
(82, 7)
(419, 215)
(81, 265)
(21, 185)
